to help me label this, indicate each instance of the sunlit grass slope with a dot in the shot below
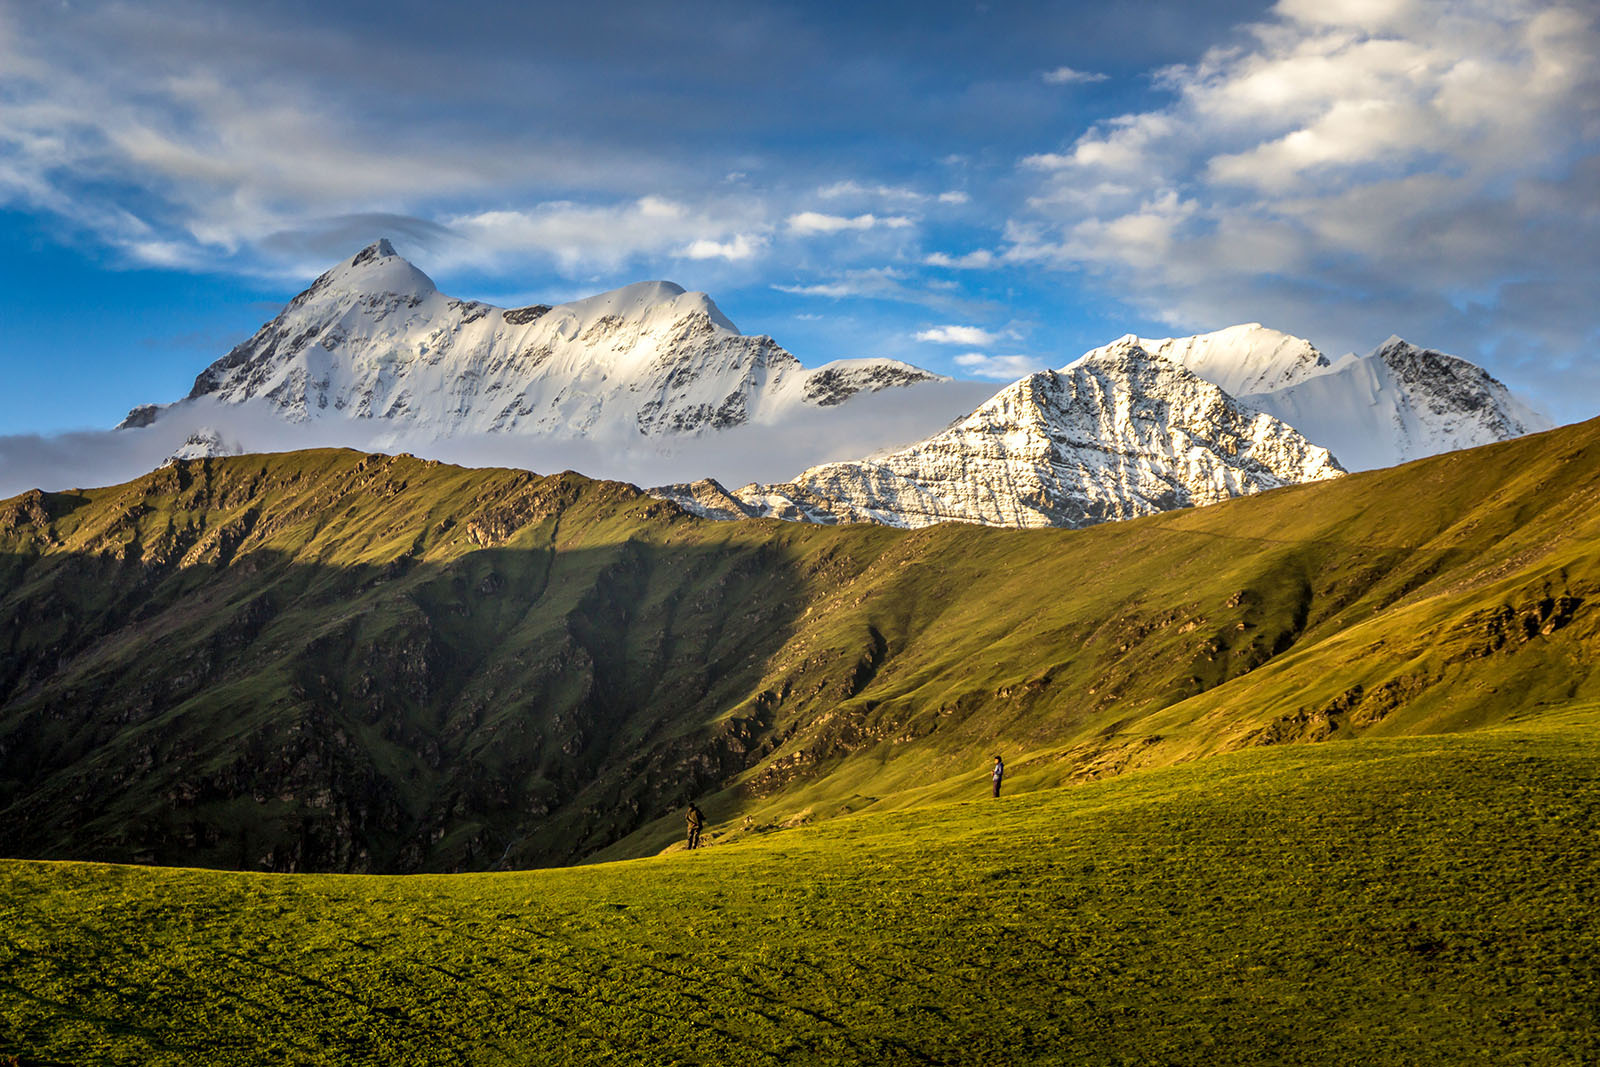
(1420, 900)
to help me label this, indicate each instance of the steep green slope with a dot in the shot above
(330, 661)
(1422, 900)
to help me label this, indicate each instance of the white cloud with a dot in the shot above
(217, 165)
(1351, 168)
(878, 282)
(897, 194)
(250, 151)
(978, 259)
(606, 236)
(1068, 76)
(854, 190)
(741, 246)
(769, 451)
(957, 335)
(998, 368)
(889, 283)
(807, 223)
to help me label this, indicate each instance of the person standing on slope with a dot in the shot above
(696, 820)
(998, 774)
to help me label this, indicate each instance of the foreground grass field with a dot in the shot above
(1410, 900)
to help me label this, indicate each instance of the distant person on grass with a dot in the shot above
(998, 774)
(696, 820)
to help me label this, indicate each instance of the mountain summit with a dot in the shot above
(373, 338)
(1244, 359)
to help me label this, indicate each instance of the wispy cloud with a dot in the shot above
(584, 236)
(850, 189)
(1069, 76)
(807, 223)
(768, 452)
(890, 284)
(978, 259)
(875, 283)
(957, 335)
(740, 246)
(998, 368)
(893, 194)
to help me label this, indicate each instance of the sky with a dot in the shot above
(979, 189)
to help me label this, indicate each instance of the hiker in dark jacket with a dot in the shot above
(998, 774)
(696, 820)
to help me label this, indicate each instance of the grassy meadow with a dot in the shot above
(1412, 900)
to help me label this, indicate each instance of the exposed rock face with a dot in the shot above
(143, 415)
(202, 443)
(1118, 434)
(374, 339)
(707, 498)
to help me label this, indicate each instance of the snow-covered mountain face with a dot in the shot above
(1400, 403)
(1396, 404)
(373, 339)
(1117, 434)
(1239, 360)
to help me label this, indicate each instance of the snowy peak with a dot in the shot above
(1119, 433)
(373, 339)
(1442, 373)
(653, 302)
(1249, 358)
(375, 270)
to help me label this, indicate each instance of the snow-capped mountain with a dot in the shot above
(1118, 433)
(1398, 403)
(373, 339)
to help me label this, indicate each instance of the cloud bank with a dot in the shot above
(770, 452)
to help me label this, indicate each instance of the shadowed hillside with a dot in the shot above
(332, 661)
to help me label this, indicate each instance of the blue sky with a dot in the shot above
(981, 189)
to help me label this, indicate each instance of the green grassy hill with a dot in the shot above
(1417, 900)
(329, 661)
